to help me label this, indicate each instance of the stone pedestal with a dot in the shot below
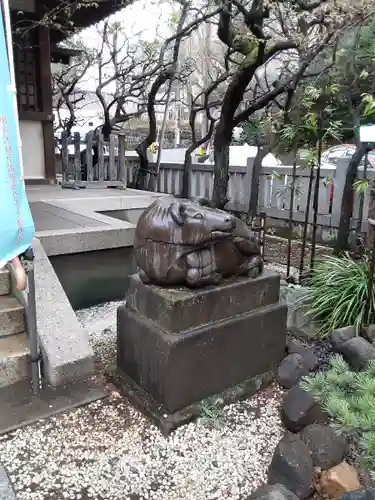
(181, 346)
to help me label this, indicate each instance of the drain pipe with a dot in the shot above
(370, 284)
(22, 270)
(36, 379)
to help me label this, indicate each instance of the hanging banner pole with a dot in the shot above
(13, 86)
(16, 222)
(17, 225)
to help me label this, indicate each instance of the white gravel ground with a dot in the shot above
(281, 269)
(108, 451)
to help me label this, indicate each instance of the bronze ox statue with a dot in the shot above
(184, 242)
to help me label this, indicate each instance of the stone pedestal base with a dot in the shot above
(181, 346)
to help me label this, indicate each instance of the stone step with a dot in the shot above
(4, 282)
(14, 359)
(12, 316)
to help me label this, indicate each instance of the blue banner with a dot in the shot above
(16, 224)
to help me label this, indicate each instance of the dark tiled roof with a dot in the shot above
(87, 16)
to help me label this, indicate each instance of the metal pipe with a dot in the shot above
(31, 322)
(370, 284)
(316, 190)
(262, 233)
(291, 208)
(361, 203)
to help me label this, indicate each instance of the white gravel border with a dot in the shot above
(108, 451)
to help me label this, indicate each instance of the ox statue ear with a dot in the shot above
(177, 211)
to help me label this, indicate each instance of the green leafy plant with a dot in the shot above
(361, 186)
(349, 398)
(369, 105)
(212, 413)
(336, 293)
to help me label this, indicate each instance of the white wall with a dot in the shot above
(32, 149)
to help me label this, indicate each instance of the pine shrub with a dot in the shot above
(336, 293)
(349, 398)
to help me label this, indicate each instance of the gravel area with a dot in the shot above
(100, 324)
(282, 269)
(108, 451)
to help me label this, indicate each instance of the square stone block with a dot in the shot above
(185, 365)
(179, 309)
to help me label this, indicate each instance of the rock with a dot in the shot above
(340, 336)
(299, 321)
(357, 352)
(291, 370)
(292, 466)
(326, 446)
(369, 333)
(365, 494)
(273, 492)
(300, 409)
(310, 358)
(339, 480)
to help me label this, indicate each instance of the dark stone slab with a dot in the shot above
(291, 370)
(181, 369)
(272, 492)
(327, 447)
(365, 494)
(340, 336)
(292, 466)
(357, 352)
(300, 409)
(50, 218)
(178, 309)
(20, 407)
(166, 421)
(295, 347)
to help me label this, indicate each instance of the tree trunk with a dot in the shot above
(141, 181)
(341, 243)
(232, 99)
(185, 193)
(141, 176)
(254, 189)
(153, 179)
(221, 171)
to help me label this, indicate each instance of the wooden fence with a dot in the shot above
(115, 165)
(92, 160)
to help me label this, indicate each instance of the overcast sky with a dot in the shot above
(144, 19)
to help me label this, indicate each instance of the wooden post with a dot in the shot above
(64, 157)
(338, 190)
(100, 170)
(90, 168)
(121, 175)
(45, 90)
(77, 156)
(248, 194)
(111, 159)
